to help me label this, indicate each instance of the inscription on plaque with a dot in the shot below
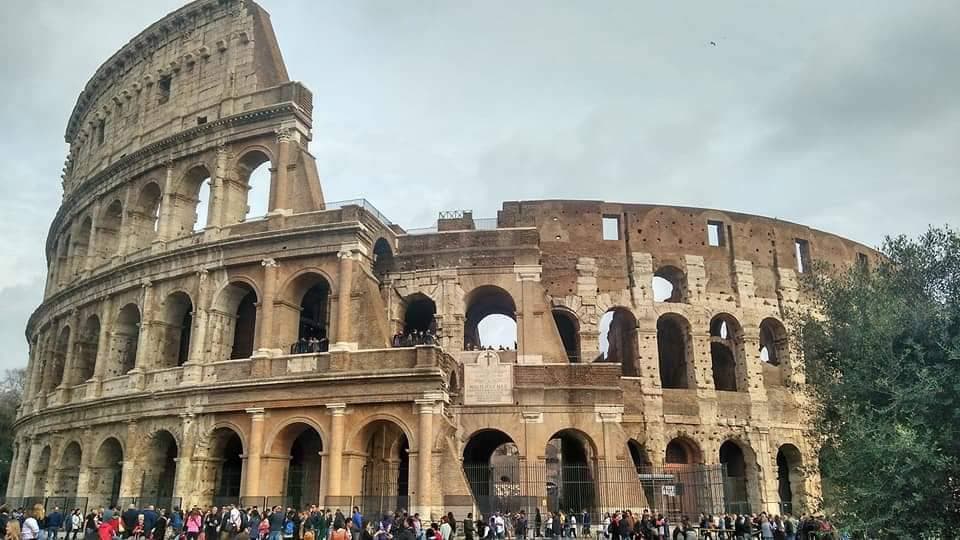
(488, 382)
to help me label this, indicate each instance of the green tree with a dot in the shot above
(11, 392)
(881, 353)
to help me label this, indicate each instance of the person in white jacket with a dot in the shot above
(31, 525)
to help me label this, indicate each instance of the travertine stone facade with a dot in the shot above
(161, 361)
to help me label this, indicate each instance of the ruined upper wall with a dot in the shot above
(189, 68)
(572, 229)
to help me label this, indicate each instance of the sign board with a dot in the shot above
(669, 491)
(488, 382)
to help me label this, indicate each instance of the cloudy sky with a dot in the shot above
(840, 115)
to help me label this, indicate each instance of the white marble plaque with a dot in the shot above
(488, 382)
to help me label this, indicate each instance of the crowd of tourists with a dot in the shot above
(306, 345)
(314, 523)
(414, 338)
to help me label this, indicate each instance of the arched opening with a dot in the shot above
(68, 472)
(491, 319)
(251, 198)
(774, 347)
(570, 457)
(40, 474)
(106, 473)
(382, 257)
(108, 231)
(160, 467)
(638, 455)
(669, 284)
(491, 462)
(63, 270)
(789, 478)
(227, 465)
(386, 468)
(59, 360)
(192, 202)
(419, 320)
(236, 312)
(303, 444)
(681, 451)
(618, 340)
(726, 353)
(569, 330)
(735, 478)
(145, 216)
(126, 334)
(81, 246)
(673, 349)
(315, 317)
(87, 342)
(203, 207)
(178, 325)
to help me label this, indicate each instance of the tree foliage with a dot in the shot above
(881, 353)
(11, 392)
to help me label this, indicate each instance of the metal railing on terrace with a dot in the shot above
(363, 203)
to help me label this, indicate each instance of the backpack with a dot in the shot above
(288, 527)
(790, 527)
(244, 521)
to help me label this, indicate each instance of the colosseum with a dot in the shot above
(188, 353)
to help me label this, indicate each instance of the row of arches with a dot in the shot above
(128, 224)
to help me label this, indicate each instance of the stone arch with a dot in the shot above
(108, 231)
(186, 210)
(81, 245)
(310, 290)
(682, 450)
(790, 479)
(741, 481)
(145, 216)
(491, 463)
(67, 474)
(160, 465)
(237, 207)
(58, 360)
(176, 329)
(618, 331)
(774, 342)
(727, 353)
(571, 456)
(419, 314)
(126, 334)
(568, 327)
(40, 474)
(382, 257)
(489, 304)
(675, 351)
(222, 473)
(62, 268)
(106, 473)
(384, 474)
(669, 284)
(85, 361)
(234, 320)
(301, 439)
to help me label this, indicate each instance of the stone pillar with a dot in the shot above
(193, 368)
(530, 313)
(266, 341)
(144, 340)
(185, 482)
(30, 476)
(86, 461)
(70, 359)
(218, 189)
(766, 487)
(92, 250)
(279, 201)
(334, 462)
(103, 347)
(12, 484)
(167, 206)
(131, 475)
(347, 256)
(426, 408)
(251, 485)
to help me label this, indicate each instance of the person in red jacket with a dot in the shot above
(108, 529)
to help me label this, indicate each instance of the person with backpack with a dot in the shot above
(790, 527)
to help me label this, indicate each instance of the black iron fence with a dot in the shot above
(65, 504)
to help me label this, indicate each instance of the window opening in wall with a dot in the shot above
(569, 334)
(259, 195)
(802, 252)
(618, 341)
(715, 233)
(611, 227)
(668, 284)
(101, 129)
(862, 262)
(203, 201)
(163, 87)
(201, 120)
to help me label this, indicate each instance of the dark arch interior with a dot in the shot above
(59, 359)
(491, 464)
(231, 469)
(87, 349)
(68, 471)
(303, 474)
(724, 368)
(569, 464)
(788, 475)
(773, 341)
(179, 315)
(569, 334)
(638, 454)
(126, 336)
(386, 471)
(108, 230)
(672, 351)
(622, 341)
(109, 461)
(481, 303)
(315, 313)
(678, 453)
(420, 315)
(735, 481)
(160, 469)
(245, 325)
(382, 257)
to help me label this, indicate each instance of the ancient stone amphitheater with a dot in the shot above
(185, 361)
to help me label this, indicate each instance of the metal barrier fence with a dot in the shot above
(167, 503)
